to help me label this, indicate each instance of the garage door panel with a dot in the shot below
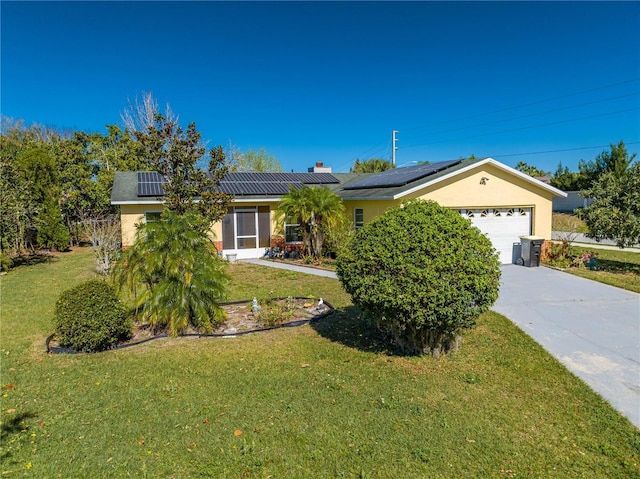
(503, 226)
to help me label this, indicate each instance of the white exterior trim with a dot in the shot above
(503, 229)
(138, 202)
(157, 202)
(486, 161)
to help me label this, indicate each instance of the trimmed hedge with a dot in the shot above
(422, 273)
(90, 318)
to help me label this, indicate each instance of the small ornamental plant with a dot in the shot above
(91, 318)
(422, 273)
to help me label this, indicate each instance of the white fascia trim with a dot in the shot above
(368, 198)
(235, 200)
(489, 161)
(138, 202)
(253, 200)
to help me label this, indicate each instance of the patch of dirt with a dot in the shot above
(241, 319)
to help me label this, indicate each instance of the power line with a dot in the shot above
(370, 151)
(561, 150)
(535, 114)
(537, 102)
(526, 127)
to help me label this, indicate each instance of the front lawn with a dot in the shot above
(568, 222)
(323, 401)
(614, 267)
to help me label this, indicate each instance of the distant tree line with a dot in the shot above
(612, 182)
(616, 161)
(53, 182)
(55, 186)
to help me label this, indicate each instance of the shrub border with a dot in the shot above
(290, 324)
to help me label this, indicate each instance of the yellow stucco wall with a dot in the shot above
(462, 191)
(465, 191)
(132, 215)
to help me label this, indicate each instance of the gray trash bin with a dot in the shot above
(531, 249)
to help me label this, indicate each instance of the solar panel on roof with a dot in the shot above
(257, 187)
(150, 184)
(288, 178)
(243, 183)
(401, 176)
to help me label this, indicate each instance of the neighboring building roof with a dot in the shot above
(128, 189)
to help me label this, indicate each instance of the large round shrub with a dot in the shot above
(90, 317)
(422, 273)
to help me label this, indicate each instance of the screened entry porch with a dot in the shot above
(246, 231)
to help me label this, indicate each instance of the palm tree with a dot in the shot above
(295, 205)
(326, 207)
(313, 208)
(183, 280)
(374, 165)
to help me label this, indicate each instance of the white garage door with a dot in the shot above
(503, 226)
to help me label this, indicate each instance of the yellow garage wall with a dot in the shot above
(501, 189)
(465, 191)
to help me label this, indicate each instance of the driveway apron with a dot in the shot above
(591, 328)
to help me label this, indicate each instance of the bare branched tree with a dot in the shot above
(104, 234)
(140, 114)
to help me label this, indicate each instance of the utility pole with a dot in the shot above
(393, 147)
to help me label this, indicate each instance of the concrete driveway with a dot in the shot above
(592, 328)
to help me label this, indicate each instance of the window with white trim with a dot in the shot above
(358, 218)
(292, 230)
(152, 216)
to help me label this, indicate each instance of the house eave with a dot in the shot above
(486, 161)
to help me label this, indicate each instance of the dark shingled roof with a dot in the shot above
(259, 186)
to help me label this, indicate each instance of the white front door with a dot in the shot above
(503, 226)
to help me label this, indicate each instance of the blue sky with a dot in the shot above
(329, 81)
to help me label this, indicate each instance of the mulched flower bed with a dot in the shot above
(241, 319)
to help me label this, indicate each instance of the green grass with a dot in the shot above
(615, 267)
(568, 222)
(327, 400)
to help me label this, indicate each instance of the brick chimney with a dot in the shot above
(320, 168)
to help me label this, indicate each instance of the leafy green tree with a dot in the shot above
(174, 273)
(175, 154)
(51, 232)
(260, 161)
(338, 232)
(615, 162)
(314, 208)
(567, 180)
(530, 170)
(374, 165)
(615, 211)
(18, 203)
(38, 171)
(422, 273)
(14, 198)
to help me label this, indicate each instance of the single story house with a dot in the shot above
(501, 201)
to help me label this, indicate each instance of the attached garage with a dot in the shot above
(500, 201)
(503, 226)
